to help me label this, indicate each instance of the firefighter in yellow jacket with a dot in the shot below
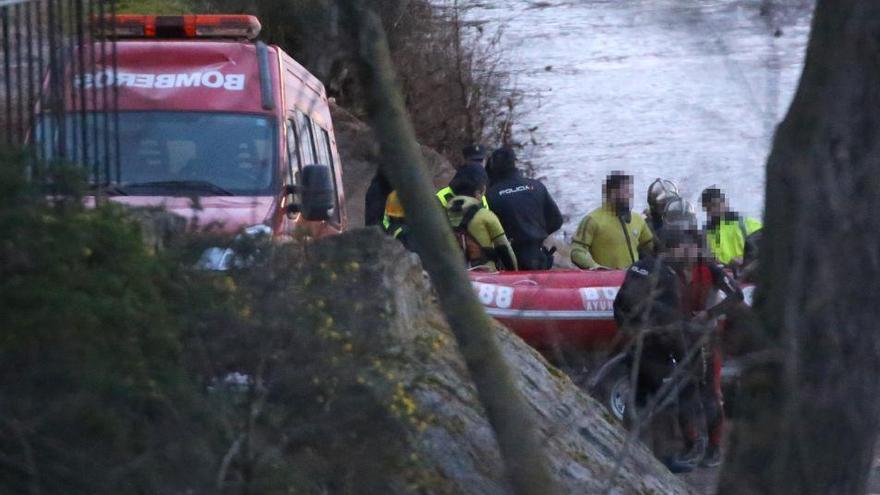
(612, 236)
(731, 236)
(394, 220)
(477, 230)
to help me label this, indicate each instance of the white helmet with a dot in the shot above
(660, 192)
(679, 213)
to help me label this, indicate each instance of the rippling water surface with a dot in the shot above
(686, 90)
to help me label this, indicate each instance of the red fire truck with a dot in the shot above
(209, 124)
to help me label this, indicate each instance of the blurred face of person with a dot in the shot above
(621, 197)
(686, 252)
(716, 207)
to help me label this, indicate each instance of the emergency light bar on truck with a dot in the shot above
(178, 26)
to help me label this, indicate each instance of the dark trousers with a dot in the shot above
(701, 400)
(531, 256)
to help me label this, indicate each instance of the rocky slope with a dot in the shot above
(445, 427)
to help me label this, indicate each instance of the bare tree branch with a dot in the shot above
(525, 462)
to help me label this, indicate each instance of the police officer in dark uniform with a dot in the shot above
(527, 212)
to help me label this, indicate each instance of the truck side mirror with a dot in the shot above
(317, 194)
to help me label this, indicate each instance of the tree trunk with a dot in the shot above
(810, 414)
(526, 465)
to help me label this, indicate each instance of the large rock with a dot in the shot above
(359, 153)
(446, 427)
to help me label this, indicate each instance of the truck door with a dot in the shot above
(291, 174)
(302, 147)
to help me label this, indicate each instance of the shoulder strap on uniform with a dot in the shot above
(629, 250)
(468, 215)
(474, 253)
(742, 227)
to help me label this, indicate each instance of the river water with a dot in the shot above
(688, 90)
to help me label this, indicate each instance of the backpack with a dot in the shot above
(474, 253)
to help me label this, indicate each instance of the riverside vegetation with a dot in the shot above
(126, 369)
(131, 371)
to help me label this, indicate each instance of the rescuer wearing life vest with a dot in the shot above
(474, 164)
(731, 237)
(526, 211)
(612, 237)
(477, 230)
(663, 301)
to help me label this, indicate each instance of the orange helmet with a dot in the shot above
(393, 208)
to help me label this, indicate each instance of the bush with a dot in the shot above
(94, 397)
(127, 370)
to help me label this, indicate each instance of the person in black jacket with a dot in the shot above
(664, 301)
(374, 202)
(527, 212)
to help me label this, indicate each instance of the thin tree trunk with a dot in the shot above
(524, 458)
(810, 416)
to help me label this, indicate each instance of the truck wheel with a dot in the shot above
(614, 392)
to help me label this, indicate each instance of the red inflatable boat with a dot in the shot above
(567, 308)
(570, 310)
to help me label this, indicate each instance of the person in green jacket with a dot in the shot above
(478, 232)
(612, 236)
(730, 236)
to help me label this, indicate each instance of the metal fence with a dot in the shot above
(48, 50)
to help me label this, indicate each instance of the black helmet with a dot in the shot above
(471, 172)
(468, 179)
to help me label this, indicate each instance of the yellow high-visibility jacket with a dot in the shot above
(727, 239)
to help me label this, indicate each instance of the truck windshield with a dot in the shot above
(168, 153)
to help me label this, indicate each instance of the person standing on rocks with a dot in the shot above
(663, 301)
(612, 236)
(526, 211)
